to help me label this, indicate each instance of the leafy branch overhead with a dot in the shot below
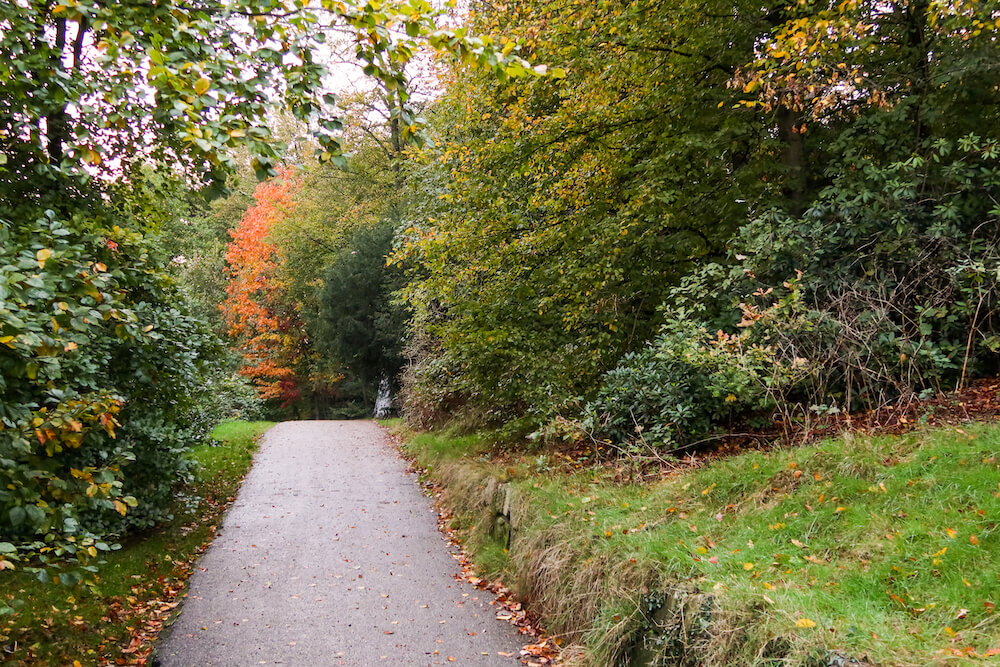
(93, 86)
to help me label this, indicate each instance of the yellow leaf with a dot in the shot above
(805, 623)
(42, 256)
(92, 551)
(100, 267)
(951, 532)
(202, 85)
(121, 508)
(748, 566)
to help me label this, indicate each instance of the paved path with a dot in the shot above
(331, 556)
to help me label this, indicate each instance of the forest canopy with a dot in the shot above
(708, 214)
(722, 212)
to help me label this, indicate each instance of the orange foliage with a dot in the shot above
(265, 326)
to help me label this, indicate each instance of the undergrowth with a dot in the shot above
(879, 549)
(113, 619)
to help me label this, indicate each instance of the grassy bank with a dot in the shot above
(114, 620)
(882, 550)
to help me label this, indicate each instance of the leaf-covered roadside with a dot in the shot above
(116, 620)
(542, 649)
(881, 549)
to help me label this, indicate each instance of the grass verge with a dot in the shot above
(114, 619)
(857, 550)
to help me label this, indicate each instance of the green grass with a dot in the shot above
(138, 585)
(883, 548)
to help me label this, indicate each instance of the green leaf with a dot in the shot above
(17, 515)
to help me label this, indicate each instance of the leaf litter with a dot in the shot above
(544, 650)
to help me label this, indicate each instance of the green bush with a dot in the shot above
(101, 380)
(898, 285)
(684, 385)
(886, 287)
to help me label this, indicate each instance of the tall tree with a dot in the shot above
(553, 216)
(260, 318)
(362, 326)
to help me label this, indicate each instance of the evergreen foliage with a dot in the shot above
(363, 325)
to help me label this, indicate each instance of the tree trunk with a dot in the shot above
(793, 157)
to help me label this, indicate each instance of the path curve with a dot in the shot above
(331, 556)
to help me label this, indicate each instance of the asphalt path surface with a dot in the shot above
(331, 556)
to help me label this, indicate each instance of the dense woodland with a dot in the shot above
(639, 222)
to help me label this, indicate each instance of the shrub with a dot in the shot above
(684, 385)
(100, 374)
(898, 282)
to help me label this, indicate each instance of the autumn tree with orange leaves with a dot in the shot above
(260, 316)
